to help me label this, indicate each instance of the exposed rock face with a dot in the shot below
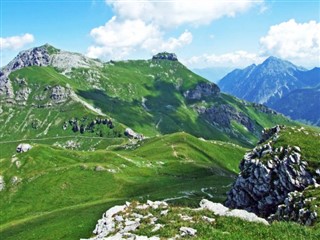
(165, 56)
(202, 90)
(59, 94)
(220, 210)
(115, 224)
(122, 222)
(296, 208)
(270, 132)
(38, 56)
(23, 147)
(22, 94)
(223, 114)
(267, 175)
(42, 56)
(132, 134)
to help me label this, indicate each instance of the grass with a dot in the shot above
(55, 180)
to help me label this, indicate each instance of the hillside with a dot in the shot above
(78, 136)
(46, 90)
(64, 191)
(270, 82)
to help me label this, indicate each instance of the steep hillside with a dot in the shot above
(58, 93)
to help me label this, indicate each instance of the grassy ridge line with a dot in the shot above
(50, 138)
(7, 225)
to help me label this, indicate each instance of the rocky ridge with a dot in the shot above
(125, 221)
(45, 55)
(268, 174)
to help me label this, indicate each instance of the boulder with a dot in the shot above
(23, 147)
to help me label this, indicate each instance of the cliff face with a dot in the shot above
(268, 174)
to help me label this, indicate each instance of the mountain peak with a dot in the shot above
(165, 56)
(273, 59)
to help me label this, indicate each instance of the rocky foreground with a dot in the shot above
(271, 180)
(129, 220)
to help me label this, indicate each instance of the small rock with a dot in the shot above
(208, 219)
(186, 231)
(23, 147)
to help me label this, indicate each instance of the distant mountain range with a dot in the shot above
(278, 84)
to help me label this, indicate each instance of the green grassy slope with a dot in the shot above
(144, 95)
(60, 186)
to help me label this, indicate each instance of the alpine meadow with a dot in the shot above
(107, 131)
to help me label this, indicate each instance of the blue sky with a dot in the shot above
(204, 33)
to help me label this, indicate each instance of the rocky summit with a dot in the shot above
(165, 56)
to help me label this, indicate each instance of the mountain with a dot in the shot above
(269, 82)
(49, 92)
(301, 104)
(78, 136)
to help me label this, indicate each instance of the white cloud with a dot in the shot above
(142, 25)
(298, 42)
(15, 42)
(233, 59)
(117, 39)
(173, 13)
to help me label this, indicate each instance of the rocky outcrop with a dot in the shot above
(220, 210)
(123, 222)
(296, 207)
(273, 132)
(267, 175)
(223, 114)
(23, 147)
(38, 56)
(165, 56)
(132, 134)
(59, 94)
(202, 90)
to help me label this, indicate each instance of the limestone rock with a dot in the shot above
(23, 147)
(267, 175)
(186, 231)
(59, 94)
(202, 90)
(223, 114)
(296, 208)
(220, 210)
(132, 134)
